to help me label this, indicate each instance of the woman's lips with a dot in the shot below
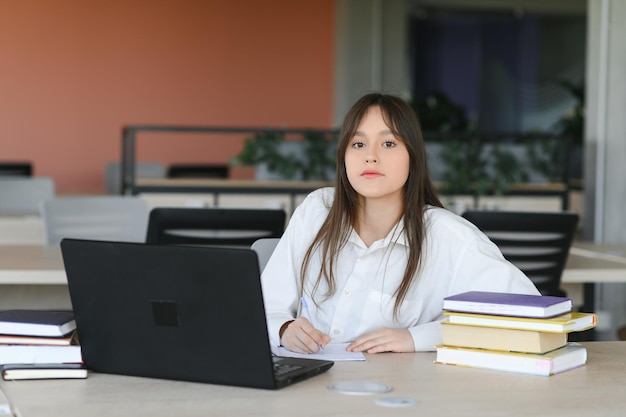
(371, 174)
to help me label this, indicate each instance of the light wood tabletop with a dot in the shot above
(43, 265)
(591, 263)
(33, 276)
(21, 230)
(597, 389)
(31, 265)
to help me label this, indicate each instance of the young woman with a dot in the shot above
(373, 257)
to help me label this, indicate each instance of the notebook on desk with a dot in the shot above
(175, 312)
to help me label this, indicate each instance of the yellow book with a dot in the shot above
(494, 338)
(565, 323)
(563, 359)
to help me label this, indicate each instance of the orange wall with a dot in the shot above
(73, 72)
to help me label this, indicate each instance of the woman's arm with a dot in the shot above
(281, 277)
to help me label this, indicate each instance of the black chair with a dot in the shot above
(213, 226)
(16, 169)
(537, 243)
(197, 171)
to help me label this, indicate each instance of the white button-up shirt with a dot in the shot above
(456, 257)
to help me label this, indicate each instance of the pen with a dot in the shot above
(307, 314)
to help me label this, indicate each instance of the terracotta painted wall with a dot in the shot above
(73, 72)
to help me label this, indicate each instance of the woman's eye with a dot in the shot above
(389, 144)
(357, 144)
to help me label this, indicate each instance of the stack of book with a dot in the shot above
(39, 344)
(512, 332)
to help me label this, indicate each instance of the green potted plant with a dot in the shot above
(466, 161)
(310, 159)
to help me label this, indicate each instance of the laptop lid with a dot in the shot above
(174, 312)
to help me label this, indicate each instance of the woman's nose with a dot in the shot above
(371, 157)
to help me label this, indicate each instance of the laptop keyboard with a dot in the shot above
(282, 369)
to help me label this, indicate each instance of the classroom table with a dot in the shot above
(32, 276)
(21, 230)
(218, 187)
(595, 263)
(31, 264)
(596, 389)
(37, 264)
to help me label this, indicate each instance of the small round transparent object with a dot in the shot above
(395, 402)
(359, 387)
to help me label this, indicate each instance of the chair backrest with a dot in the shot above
(264, 249)
(113, 174)
(116, 218)
(197, 171)
(19, 169)
(23, 195)
(538, 243)
(213, 226)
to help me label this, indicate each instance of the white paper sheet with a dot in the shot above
(333, 352)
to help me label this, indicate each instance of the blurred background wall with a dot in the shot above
(74, 72)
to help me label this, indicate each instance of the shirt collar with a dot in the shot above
(396, 235)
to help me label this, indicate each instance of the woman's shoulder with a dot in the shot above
(441, 221)
(322, 198)
(316, 204)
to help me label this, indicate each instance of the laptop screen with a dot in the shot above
(175, 312)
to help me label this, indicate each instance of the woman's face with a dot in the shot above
(377, 162)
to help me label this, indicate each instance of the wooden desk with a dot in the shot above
(42, 265)
(31, 275)
(217, 187)
(21, 230)
(293, 189)
(31, 264)
(595, 263)
(596, 389)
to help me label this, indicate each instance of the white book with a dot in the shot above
(21, 371)
(40, 354)
(560, 360)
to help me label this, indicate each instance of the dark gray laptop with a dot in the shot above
(175, 312)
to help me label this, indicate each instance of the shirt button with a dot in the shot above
(348, 293)
(336, 331)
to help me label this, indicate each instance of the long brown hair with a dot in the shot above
(418, 192)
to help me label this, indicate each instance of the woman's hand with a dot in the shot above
(383, 340)
(300, 336)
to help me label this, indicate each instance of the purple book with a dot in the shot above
(507, 304)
